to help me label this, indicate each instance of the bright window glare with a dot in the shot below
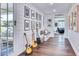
(3, 17)
(60, 21)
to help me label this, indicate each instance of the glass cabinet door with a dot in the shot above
(6, 28)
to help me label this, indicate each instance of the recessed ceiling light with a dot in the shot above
(54, 10)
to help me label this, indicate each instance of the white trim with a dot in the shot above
(76, 52)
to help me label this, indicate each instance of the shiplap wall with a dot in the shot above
(19, 39)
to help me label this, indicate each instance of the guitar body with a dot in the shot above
(34, 44)
(28, 50)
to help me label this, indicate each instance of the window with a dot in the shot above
(6, 29)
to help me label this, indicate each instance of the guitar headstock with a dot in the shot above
(24, 33)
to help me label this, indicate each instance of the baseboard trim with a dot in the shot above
(21, 54)
(73, 47)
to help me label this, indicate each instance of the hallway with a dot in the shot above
(54, 47)
(54, 25)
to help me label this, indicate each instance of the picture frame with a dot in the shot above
(26, 12)
(37, 16)
(37, 25)
(40, 17)
(26, 25)
(33, 25)
(33, 15)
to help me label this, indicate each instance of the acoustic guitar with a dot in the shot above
(29, 49)
(34, 43)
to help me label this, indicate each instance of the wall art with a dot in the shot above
(26, 12)
(33, 14)
(26, 25)
(37, 16)
(37, 25)
(33, 25)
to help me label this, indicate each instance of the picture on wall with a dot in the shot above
(43, 20)
(40, 17)
(26, 12)
(37, 16)
(26, 25)
(33, 25)
(33, 15)
(37, 25)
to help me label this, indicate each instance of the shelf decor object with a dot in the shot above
(49, 22)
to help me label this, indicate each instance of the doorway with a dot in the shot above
(59, 26)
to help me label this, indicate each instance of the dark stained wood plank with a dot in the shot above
(54, 47)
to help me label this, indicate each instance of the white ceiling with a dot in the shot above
(48, 8)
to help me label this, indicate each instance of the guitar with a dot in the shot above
(38, 37)
(29, 49)
(34, 43)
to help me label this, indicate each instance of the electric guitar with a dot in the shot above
(29, 49)
(34, 43)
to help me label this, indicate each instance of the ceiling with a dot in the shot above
(47, 8)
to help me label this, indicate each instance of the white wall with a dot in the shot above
(66, 27)
(73, 36)
(19, 39)
(74, 40)
(18, 29)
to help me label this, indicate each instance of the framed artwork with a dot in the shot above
(43, 20)
(26, 12)
(37, 15)
(40, 17)
(26, 25)
(33, 25)
(33, 15)
(37, 25)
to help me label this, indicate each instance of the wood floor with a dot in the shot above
(57, 46)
